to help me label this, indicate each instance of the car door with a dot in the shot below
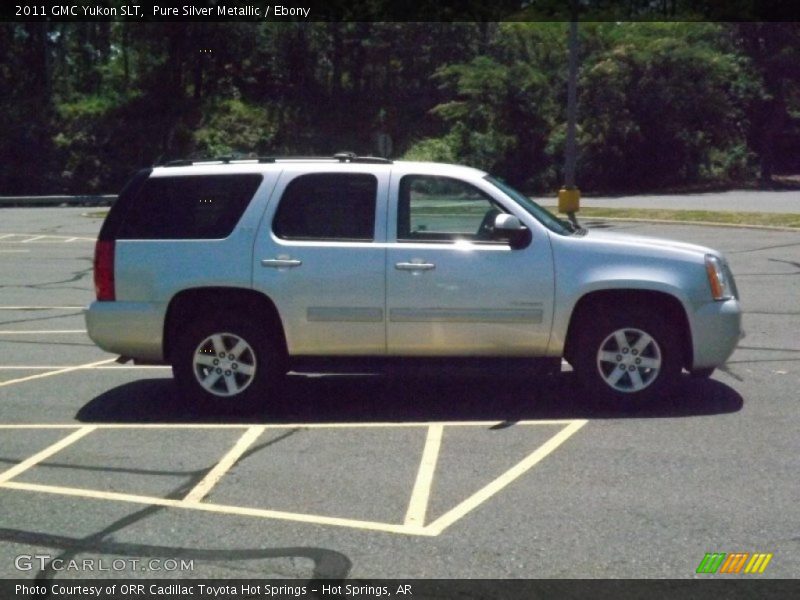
(453, 287)
(319, 256)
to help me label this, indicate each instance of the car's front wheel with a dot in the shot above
(627, 359)
(228, 364)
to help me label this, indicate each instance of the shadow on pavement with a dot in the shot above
(382, 398)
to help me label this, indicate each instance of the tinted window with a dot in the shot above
(444, 209)
(201, 207)
(328, 206)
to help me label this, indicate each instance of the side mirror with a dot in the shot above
(510, 228)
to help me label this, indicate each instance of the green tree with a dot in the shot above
(773, 50)
(503, 103)
(661, 104)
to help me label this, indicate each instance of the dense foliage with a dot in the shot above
(660, 104)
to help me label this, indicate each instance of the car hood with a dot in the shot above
(642, 244)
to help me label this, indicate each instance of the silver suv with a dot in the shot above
(232, 270)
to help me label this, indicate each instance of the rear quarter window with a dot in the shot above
(188, 207)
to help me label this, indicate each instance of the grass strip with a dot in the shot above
(708, 216)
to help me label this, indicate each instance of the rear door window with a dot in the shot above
(328, 207)
(189, 207)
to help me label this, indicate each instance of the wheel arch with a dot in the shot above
(597, 300)
(189, 303)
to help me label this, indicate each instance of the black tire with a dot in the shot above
(702, 373)
(233, 390)
(638, 386)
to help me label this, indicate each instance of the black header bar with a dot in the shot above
(259, 11)
(409, 589)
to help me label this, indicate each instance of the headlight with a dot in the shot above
(721, 284)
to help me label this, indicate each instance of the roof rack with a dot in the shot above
(352, 157)
(188, 162)
(342, 157)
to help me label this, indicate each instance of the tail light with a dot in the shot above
(104, 270)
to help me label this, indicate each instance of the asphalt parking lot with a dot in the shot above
(370, 476)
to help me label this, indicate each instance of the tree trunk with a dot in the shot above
(776, 117)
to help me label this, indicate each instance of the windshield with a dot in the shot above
(539, 213)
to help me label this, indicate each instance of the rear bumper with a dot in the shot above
(133, 329)
(716, 330)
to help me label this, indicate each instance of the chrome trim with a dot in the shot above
(344, 314)
(464, 315)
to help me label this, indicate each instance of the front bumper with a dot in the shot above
(133, 329)
(716, 330)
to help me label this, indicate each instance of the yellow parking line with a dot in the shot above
(34, 236)
(214, 475)
(41, 307)
(26, 464)
(39, 331)
(415, 516)
(42, 426)
(99, 367)
(418, 505)
(498, 484)
(281, 425)
(218, 508)
(56, 372)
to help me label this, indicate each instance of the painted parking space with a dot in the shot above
(31, 321)
(23, 349)
(33, 238)
(70, 465)
(38, 372)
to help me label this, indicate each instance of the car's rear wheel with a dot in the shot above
(626, 359)
(228, 364)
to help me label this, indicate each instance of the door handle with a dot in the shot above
(414, 266)
(281, 263)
